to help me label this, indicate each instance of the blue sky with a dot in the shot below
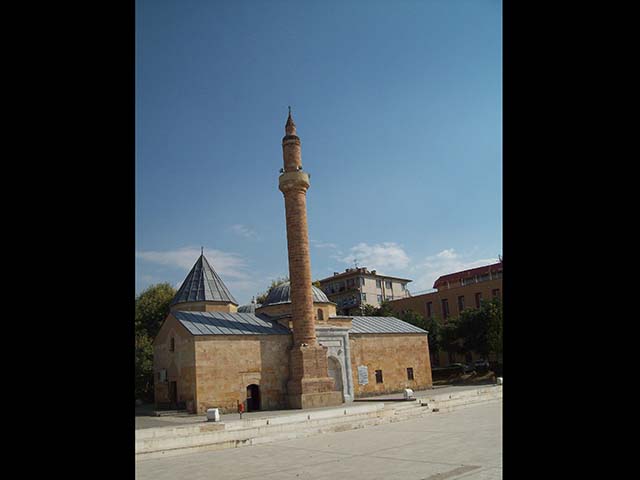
(398, 105)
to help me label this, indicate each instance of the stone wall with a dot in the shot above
(205, 307)
(180, 364)
(227, 364)
(393, 354)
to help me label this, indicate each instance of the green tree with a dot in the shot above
(450, 340)
(494, 328)
(434, 328)
(385, 310)
(152, 307)
(274, 283)
(412, 317)
(481, 329)
(369, 310)
(144, 368)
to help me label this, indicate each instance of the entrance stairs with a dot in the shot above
(287, 425)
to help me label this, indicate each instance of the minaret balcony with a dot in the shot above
(294, 180)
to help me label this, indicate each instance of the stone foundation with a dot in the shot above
(310, 385)
(314, 400)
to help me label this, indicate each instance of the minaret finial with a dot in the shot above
(290, 127)
(201, 250)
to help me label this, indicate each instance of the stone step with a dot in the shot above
(294, 417)
(252, 436)
(485, 390)
(454, 403)
(157, 442)
(452, 408)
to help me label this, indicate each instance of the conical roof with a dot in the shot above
(203, 285)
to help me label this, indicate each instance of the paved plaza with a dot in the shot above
(466, 443)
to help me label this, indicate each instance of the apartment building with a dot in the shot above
(355, 287)
(451, 294)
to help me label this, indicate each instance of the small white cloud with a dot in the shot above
(388, 255)
(224, 263)
(243, 231)
(448, 254)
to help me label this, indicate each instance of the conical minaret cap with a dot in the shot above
(290, 127)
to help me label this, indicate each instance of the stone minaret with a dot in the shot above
(309, 383)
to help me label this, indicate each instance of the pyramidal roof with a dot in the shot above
(203, 284)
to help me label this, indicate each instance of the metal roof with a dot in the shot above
(203, 284)
(223, 323)
(281, 294)
(249, 308)
(382, 325)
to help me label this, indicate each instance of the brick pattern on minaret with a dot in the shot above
(309, 383)
(295, 199)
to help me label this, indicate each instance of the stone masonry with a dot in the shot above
(309, 384)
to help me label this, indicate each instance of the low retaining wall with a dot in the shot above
(166, 441)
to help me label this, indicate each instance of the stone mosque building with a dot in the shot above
(292, 351)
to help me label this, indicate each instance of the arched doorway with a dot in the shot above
(335, 372)
(253, 398)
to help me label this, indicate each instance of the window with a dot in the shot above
(362, 282)
(483, 278)
(351, 282)
(172, 345)
(388, 285)
(379, 298)
(429, 309)
(495, 293)
(445, 308)
(409, 373)
(460, 303)
(364, 297)
(497, 274)
(478, 299)
(378, 376)
(379, 283)
(320, 315)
